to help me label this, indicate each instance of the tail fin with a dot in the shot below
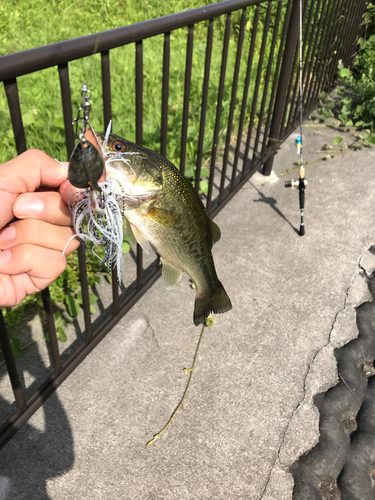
(217, 303)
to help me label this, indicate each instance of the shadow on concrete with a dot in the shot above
(46, 448)
(272, 203)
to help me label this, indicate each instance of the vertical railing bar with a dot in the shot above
(11, 365)
(165, 93)
(327, 59)
(218, 110)
(106, 85)
(266, 82)
(350, 24)
(276, 78)
(245, 95)
(294, 108)
(67, 107)
(206, 81)
(291, 99)
(294, 77)
(360, 22)
(139, 93)
(284, 79)
(185, 114)
(339, 34)
(335, 45)
(318, 21)
(309, 58)
(69, 135)
(326, 47)
(139, 133)
(11, 91)
(51, 328)
(256, 89)
(85, 291)
(326, 67)
(361, 14)
(326, 15)
(107, 112)
(350, 28)
(232, 103)
(290, 95)
(308, 44)
(354, 35)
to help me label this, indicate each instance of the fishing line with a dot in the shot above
(186, 370)
(300, 183)
(300, 84)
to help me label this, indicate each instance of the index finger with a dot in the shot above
(24, 174)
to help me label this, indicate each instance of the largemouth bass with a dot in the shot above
(164, 211)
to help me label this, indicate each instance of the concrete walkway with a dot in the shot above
(249, 412)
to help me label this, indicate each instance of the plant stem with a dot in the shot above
(187, 370)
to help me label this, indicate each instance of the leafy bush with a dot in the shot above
(357, 107)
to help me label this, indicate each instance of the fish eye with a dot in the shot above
(119, 146)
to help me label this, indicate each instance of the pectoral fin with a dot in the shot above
(215, 230)
(163, 217)
(171, 275)
(141, 240)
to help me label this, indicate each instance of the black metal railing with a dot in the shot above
(266, 116)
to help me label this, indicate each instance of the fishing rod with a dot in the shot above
(300, 183)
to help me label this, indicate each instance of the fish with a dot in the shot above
(164, 211)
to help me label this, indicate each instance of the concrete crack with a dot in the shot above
(277, 455)
(360, 260)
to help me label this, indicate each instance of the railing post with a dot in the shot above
(281, 95)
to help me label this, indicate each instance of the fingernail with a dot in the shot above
(28, 205)
(8, 234)
(5, 255)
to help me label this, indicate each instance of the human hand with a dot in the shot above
(32, 188)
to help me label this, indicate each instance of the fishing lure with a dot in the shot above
(97, 202)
